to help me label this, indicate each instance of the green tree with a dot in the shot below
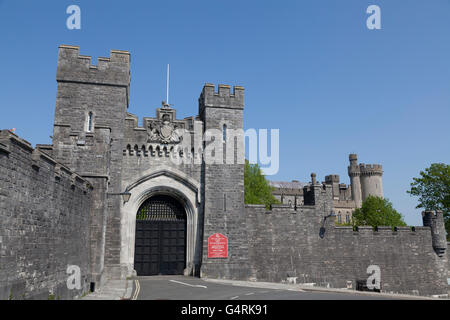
(376, 211)
(256, 187)
(433, 190)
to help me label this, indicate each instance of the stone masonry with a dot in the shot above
(44, 223)
(76, 201)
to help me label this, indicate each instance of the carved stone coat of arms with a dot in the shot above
(163, 131)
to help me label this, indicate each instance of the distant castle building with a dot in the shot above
(365, 180)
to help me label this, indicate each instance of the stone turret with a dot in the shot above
(354, 174)
(371, 180)
(313, 179)
(435, 220)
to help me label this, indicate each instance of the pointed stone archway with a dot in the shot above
(159, 183)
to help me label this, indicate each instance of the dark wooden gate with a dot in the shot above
(160, 247)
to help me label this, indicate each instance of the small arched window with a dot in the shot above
(224, 133)
(90, 122)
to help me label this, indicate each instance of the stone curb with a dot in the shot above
(282, 286)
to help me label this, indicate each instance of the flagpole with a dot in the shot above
(168, 75)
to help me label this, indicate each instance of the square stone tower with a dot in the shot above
(223, 182)
(88, 137)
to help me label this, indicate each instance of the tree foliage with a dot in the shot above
(344, 224)
(376, 211)
(433, 190)
(256, 187)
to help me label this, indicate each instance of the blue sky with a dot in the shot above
(310, 68)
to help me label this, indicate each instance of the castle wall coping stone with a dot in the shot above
(66, 46)
(255, 206)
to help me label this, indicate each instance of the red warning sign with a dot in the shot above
(217, 246)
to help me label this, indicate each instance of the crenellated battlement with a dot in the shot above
(38, 159)
(73, 67)
(383, 230)
(332, 178)
(354, 171)
(131, 120)
(222, 98)
(278, 211)
(371, 169)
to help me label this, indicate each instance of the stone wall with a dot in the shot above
(44, 223)
(286, 243)
(448, 262)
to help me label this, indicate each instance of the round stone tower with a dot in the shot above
(354, 173)
(371, 180)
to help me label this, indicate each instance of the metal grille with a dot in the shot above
(161, 208)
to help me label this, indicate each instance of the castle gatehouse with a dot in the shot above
(106, 196)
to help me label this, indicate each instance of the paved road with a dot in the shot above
(188, 288)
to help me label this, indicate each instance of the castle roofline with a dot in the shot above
(288, 184)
